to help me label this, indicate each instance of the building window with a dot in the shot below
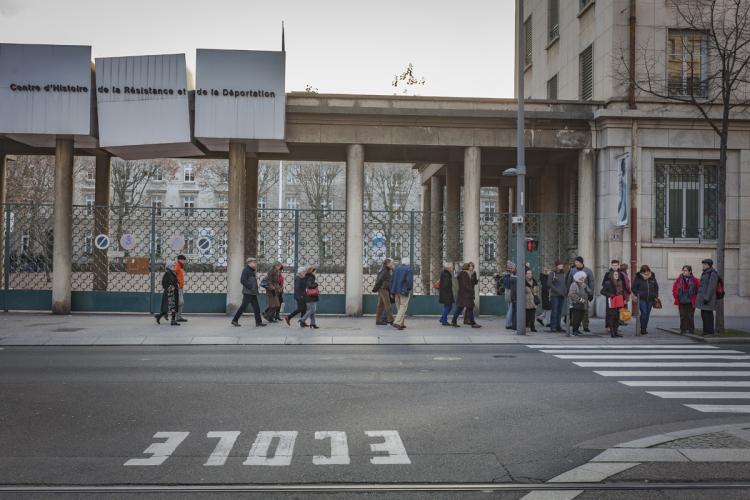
(188, 174)
(157, 203)
(553, 20)
(89, 200)
(190, 244)
(292, 174)
(686, 200)
(585, 3)
(552, 88)
(528, 31)
(90, 176)
(687, 66)
(489, 248)
(489, 210)
(188, 203)
(158, 174)
(292, 203)
(586, 69)
(88, 243)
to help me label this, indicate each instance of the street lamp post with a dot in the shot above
(518, 220)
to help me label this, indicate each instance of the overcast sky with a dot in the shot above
(462, 48)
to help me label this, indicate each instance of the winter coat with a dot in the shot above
(274, 288)
(446, 288)
(578, 295)
(609, 289)
(466, 283)
(299, 287)
(310, 283)
(402, 280)
(531, 290)
(513, 289)
(689, 285)
(589, 279)
(170, 296)
(707, 290)
(544, 280)
(383, 280)
(626, 289)
(557, 287)
(646, 288)
(249, 280)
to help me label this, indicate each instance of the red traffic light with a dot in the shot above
(531, 245)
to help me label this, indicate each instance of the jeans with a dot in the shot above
(509, 316)
(310, 313)
(301, 308)
(708, 322)
(469, 314)
(180, 304)
(446, 310)
(251, 300)
(557, 309)
(644, 306)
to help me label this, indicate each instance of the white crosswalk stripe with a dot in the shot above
(680, 368)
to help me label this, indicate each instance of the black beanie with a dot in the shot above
(579, 259)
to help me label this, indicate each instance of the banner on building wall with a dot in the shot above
(623, 189)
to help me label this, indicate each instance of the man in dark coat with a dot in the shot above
(384, 311)
(299, 294)
(249, 282)
(170, 298)
(445, 294)
(467, 281)
(706, 301)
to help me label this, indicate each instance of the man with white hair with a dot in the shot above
(299, 295)
(249, 282)
(401, 287)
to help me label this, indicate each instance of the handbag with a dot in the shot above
(625, 314)
(436, 285)
(312, 292)
(536, 300)
(616, 302)
(657, 303)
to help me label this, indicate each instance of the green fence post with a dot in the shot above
(152, 257)
(412, 259)
(6, 259)
(296, 239)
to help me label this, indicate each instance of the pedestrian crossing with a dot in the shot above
(700, 376)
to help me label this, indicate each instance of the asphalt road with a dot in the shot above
(77, 415)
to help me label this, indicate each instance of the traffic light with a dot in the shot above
(531, 245)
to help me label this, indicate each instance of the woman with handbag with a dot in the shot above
(532, 299)
(467, 280)
(646, 294)
(445, 292)
(614, 290)
(685, 293)
(312, 294)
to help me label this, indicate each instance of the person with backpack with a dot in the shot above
(685, 293)
(249, 282)
(445, 293)
(557, 292)
(709, 289)
(646, 294)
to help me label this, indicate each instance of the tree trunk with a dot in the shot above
(721, 239)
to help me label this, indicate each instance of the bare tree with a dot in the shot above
(711, 73)
(317, 181)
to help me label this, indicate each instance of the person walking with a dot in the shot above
(273, 290)
(578, 297)
(445, 294)
(509, 284)
(646, 294)
(614, 290)
(707, 295)
(532, 299)
(170, 296)
(402, 284)
(179, 269)
(249, 280)
(299, 295)
(546, 298)
(685, 293)
(557, 292)
(277, 317)
(312, 295)
(467, 281)
(384, 311)
(579, 266)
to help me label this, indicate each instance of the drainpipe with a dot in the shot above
(631, 57)
(634, 165)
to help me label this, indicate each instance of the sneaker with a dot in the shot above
(286, 318)
(234, 323)
(445, 323)
(182, 320)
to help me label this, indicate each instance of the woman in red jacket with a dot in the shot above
(685, 292)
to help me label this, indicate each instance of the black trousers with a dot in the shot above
(301, 308)
(687, 322)
(708, 322)
(251, 300)
(576, 318)
(530, 315)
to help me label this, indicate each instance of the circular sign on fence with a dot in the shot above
(177, 242)
(204, 245)
(101, 242)
(128, 241)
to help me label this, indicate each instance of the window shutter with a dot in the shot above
(552, 88)
(586, 69)
(528, 28)
(553, 19)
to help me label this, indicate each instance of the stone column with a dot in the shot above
(236, 225)
(472, 187)
(101, 220)
(251, 206)
(355, 172)
(452, 210)
(62, 251)
(744, 261)
(424, 240)
(3, 174)
(587, 208)
(436, 228)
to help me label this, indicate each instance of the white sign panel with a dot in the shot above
(128, 241)
(45, 89)
(240, 94)
(143, 100)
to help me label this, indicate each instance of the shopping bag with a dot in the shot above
(625, 314)
(616, 302)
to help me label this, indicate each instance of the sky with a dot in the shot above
(461, 48)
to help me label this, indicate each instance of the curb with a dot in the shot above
(708, 340)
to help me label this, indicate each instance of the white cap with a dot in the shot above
(579, 276)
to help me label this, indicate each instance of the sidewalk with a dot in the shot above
(140, 329)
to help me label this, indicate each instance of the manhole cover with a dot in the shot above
(67, 330)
